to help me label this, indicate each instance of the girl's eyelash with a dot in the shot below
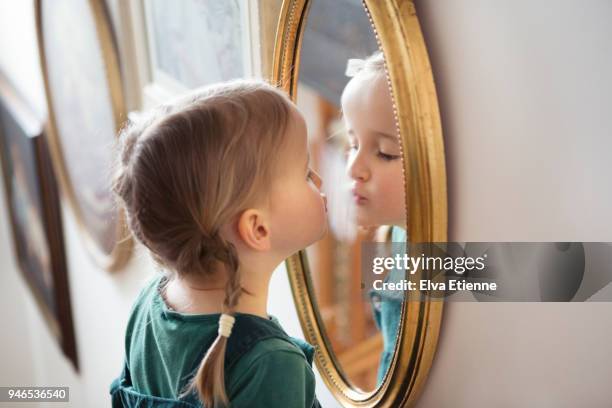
(387, 157)
(383, 156)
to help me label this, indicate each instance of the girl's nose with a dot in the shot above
(356, 169)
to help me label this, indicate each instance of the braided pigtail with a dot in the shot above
(209, 380)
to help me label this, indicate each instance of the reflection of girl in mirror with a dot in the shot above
(375, 168)
(218, 187)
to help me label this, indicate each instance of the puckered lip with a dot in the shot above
(358, 195)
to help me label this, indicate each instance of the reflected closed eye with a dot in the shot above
(387, 157)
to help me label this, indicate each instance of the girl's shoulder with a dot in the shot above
(290, 351)
(274, 373)
(267, 367)
(150, 286)
(141, 303)
(254, 337)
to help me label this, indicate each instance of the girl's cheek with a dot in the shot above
(392, 180)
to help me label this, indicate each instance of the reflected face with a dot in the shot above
(374, 159)
(297, 205)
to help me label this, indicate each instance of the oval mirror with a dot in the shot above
(360, 73)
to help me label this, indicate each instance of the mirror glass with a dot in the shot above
(355, 147)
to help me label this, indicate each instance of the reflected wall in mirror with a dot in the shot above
(355, 148)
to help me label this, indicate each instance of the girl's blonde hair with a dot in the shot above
(188, 168)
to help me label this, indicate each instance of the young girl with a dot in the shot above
(375, 167)
(217, 186)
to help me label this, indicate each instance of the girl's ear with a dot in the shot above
(254, 230)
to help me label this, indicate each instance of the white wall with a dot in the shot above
(525, 93)
(101, 301)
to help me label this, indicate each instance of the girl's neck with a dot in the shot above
(190, 295)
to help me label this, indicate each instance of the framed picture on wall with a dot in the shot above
(34, 213)
(86, 110)
(192, 43)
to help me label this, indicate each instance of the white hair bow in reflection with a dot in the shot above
(353, 66)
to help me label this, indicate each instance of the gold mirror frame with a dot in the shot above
(124, 243)
(399, 36)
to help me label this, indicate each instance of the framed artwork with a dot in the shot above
(34, 212)
(86, 109)
(192, 43)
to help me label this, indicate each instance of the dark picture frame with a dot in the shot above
(33, 206)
